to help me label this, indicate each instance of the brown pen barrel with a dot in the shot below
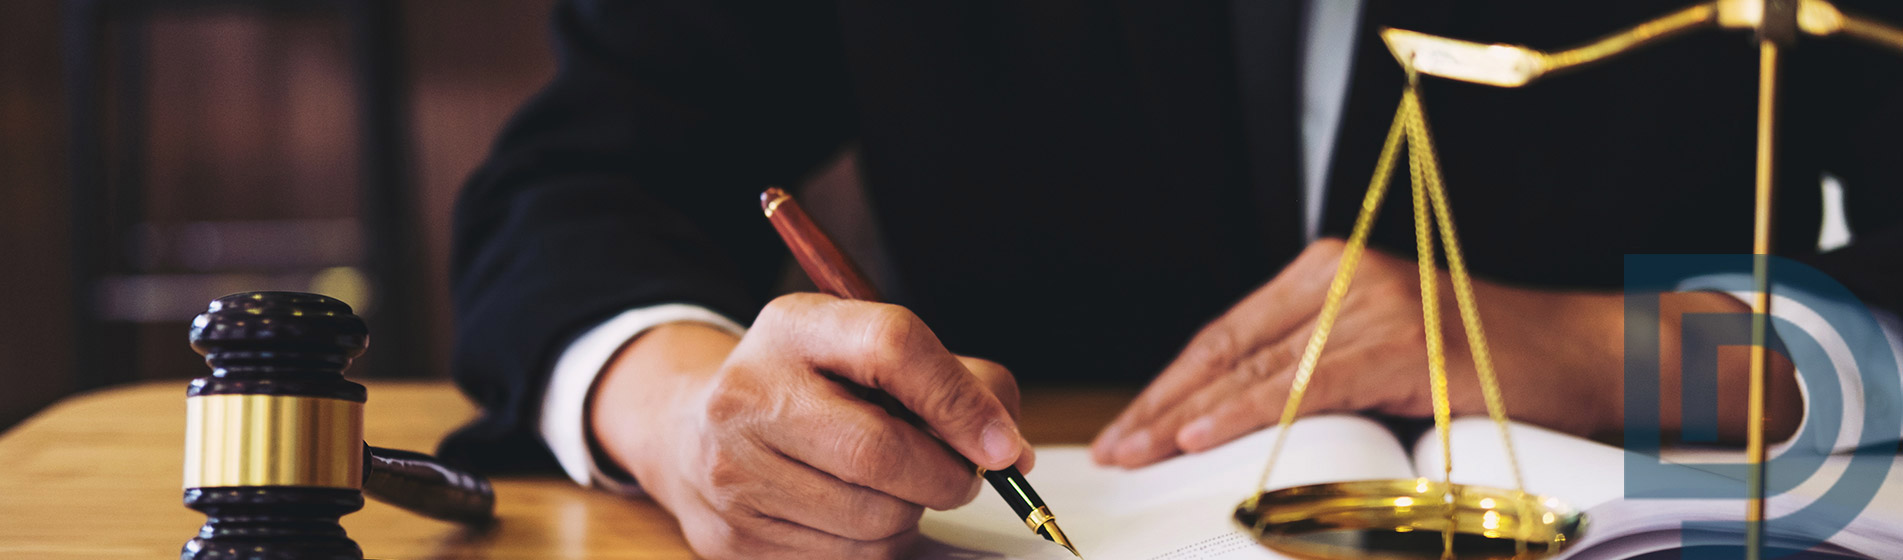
(828, 266)
(835, 274)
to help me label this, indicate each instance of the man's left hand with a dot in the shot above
(1558, 356)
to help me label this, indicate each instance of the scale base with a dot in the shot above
(1408, 519)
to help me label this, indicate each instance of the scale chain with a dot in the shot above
(1430, 288)
(1428, 190)
(1422, 143)
(1419, 139)
(1338, 288)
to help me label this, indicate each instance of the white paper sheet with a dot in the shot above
(1176, 510)
(1180, 509)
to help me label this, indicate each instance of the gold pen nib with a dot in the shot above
(1043, 523)
(1057, 536)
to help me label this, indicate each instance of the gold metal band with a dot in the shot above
(1038, 518)
(774, 205)
(267, 440)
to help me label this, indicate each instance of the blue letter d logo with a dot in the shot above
(1788, 531)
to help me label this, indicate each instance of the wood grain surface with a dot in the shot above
(98, 476)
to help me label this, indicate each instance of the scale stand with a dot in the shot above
(1422, 518)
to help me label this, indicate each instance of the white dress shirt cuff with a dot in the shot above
(1849, 380)
(564, 413)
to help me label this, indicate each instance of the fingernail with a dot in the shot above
(1134, 446)
(1029, 457)
(1001, 443)
(1110, 436)
(1196, 434)
(1104, 450)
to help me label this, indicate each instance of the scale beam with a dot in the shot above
(1504, 65)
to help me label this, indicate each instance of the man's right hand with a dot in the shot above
(760, 450)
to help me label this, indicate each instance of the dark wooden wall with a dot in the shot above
(34, 347)
(469, 63)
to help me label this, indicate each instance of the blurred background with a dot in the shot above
(155, 154)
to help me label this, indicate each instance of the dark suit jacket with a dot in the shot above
(1072, 188)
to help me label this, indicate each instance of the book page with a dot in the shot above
(1590, 476)
(1179, 509)
(1581, 472)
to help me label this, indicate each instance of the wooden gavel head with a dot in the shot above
(274, 451)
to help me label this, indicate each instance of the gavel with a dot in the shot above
(274, 450)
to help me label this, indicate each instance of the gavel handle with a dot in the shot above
(422, 484)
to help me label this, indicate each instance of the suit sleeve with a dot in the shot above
(632, 180)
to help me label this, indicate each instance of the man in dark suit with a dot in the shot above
(1076, 190)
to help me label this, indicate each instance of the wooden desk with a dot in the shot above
(98, 476)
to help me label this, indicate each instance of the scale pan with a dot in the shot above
(1405, 520)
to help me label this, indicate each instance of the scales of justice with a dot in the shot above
(1424, 518)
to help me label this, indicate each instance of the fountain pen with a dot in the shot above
(835, 275)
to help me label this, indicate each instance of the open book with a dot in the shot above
(1180, 509)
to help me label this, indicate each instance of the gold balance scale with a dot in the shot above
(1423, 518)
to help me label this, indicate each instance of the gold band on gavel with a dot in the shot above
(270, 440)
